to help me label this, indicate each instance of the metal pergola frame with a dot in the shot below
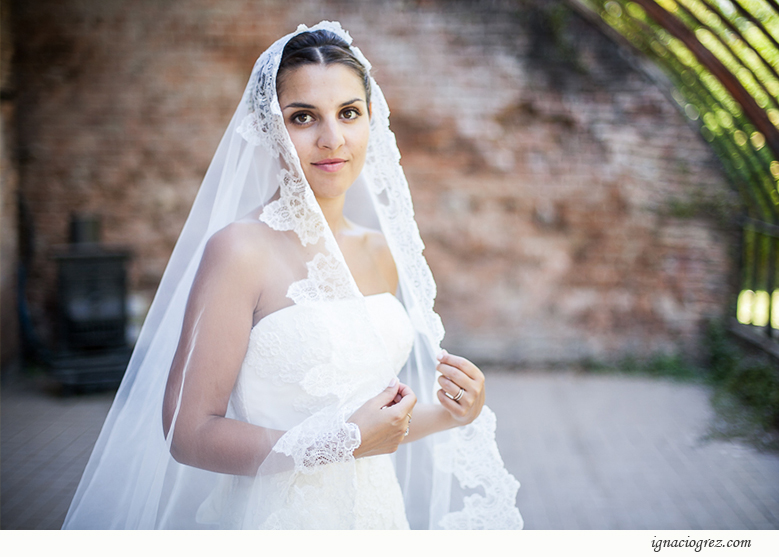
(719, 61)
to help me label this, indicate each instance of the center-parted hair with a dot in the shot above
(320, 47)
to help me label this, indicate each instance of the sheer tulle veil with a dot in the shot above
(453, 479)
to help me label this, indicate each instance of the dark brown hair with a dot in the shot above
(320, 47)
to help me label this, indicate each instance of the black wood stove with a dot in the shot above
(92, 349)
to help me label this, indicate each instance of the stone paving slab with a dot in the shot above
(625, 452)
(591, 452)
(45, 442)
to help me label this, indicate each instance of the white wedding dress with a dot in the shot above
(308, 367)
(292, 356)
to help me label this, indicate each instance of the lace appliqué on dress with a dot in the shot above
(379, 501)
(326, 282)
(471, 454)
(324, 352)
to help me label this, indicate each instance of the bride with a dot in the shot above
(289, 373)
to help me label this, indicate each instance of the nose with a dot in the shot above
(331, 136)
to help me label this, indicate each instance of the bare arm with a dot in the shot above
(213, 344)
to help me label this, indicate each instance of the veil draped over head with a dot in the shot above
(451, 479)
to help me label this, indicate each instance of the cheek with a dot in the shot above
(360, 142)
(300, 141)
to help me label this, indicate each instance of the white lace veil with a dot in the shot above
(453, 479)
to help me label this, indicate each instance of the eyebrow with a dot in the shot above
(312, 107)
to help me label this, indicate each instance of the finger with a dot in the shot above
(404, 390)
(406, 405)
(450, 405)
(464, 365)
(456, 376)
(454, 390)
(387, 396)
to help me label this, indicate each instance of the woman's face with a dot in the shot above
(327, 118)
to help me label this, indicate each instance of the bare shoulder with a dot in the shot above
(241, 244)
(376, 242)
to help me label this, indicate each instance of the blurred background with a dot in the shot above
(595, 183)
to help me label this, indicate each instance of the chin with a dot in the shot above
(330, 191)
(322, 195)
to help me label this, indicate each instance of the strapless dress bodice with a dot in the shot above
(303, 359)
(302, 356)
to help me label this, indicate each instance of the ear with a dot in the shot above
(370, 109)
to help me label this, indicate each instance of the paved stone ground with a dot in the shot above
(623, 452)
(45, 442)
(591, 452)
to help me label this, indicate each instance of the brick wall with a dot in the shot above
(568, 211)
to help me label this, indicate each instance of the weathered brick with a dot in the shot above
(544, 187)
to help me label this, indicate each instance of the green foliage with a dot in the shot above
(754, 383)
(719, 207)
(722, 353)
(751, 378)
(671, 366)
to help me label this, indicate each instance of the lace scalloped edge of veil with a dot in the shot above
(471, 454)
(310, 450)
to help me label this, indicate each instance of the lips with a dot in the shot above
(330, 165)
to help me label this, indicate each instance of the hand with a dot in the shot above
(384, 420)
(458, 373)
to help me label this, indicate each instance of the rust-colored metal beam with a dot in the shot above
(752, 110)
(736, 31)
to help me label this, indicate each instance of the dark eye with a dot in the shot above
(301, 118)
(350, 113)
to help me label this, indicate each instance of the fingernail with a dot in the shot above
(441, 355)
(393, 382)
